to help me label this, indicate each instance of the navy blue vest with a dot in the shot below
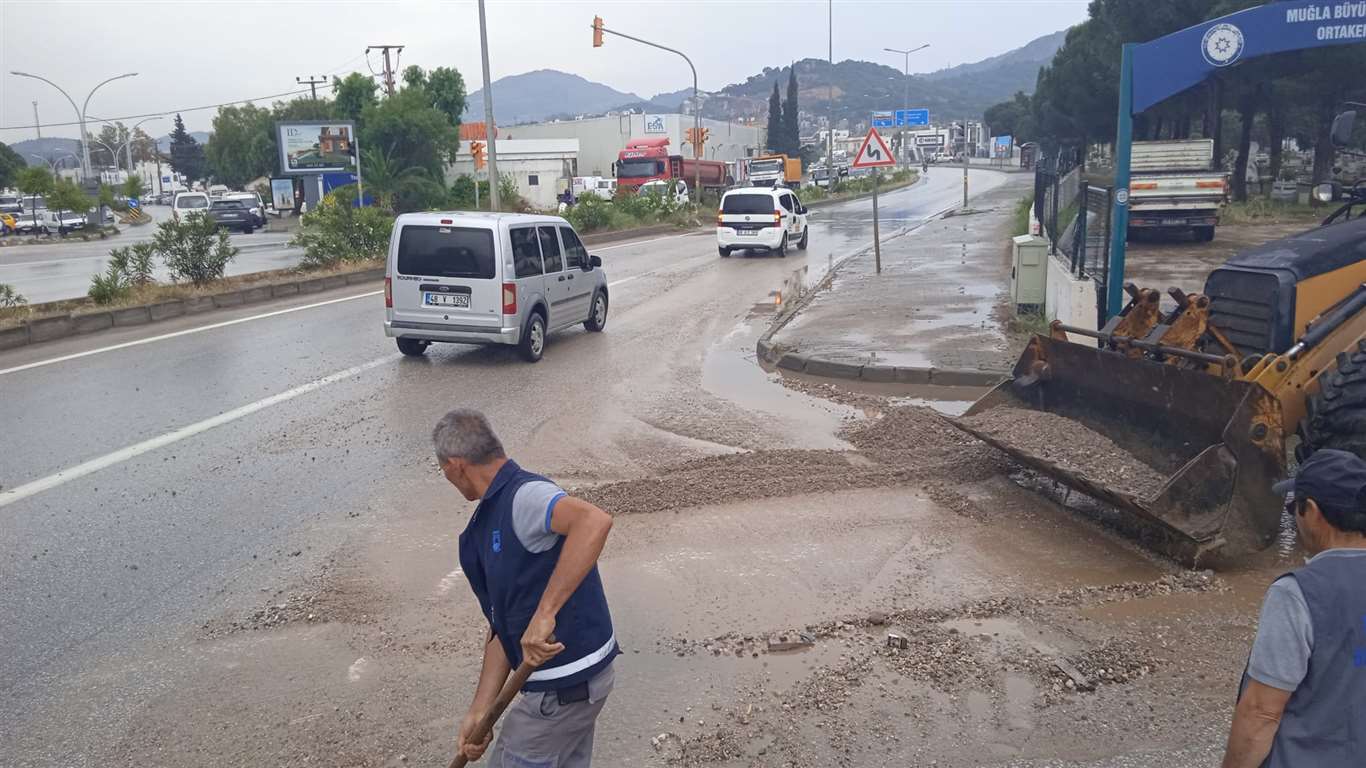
(509, 581)
(1324, 724)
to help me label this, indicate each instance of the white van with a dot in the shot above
(189, 202)
(489, 278)
(760, 218)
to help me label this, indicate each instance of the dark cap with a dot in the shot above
(1334, 479)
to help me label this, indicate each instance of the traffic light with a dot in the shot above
(706, 134)
(477, 152)
(597, 31)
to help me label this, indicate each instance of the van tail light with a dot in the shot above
(388, 292)
(718, 217)
(509, 298)
(777, 217)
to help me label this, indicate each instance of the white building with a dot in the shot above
(602, 138)
(541, 167)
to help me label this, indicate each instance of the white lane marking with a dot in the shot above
(449, 581)
(186, 332)
(627, 279)
(644, 242)
(53, 261)
(356, 669)
(65, 476)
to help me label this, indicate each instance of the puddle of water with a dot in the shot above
(999, 629)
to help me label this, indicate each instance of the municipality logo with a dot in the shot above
(1222, 45)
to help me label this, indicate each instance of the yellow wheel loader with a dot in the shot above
(1212, 401)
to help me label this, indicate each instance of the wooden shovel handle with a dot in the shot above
(505, 697)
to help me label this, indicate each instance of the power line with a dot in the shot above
(163, 112)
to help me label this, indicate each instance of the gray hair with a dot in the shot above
(465, 434)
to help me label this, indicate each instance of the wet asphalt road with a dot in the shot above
(178, 479)
(56, 271)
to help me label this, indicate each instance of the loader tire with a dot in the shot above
(1335, 416)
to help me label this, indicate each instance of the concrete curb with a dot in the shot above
(64, 326)
(812, 365)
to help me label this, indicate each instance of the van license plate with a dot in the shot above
(747, 232)
(459, 300)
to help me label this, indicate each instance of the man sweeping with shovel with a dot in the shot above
(530, 553)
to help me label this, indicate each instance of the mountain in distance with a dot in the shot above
(50, 147)
(164, 142)
(1029, 56)
(862, 87)
(671, 100)
(534, 96)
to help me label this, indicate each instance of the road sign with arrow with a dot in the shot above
(873, 153)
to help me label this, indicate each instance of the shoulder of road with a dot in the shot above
(932, 316)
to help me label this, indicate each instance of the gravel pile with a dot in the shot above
(1070, 445)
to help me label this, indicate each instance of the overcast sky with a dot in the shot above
(190, 53)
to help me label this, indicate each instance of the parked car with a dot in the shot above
(760, 218)
(62, 222)
(481, 278)
(255, 207)
(8, 224)
(232, 214)
(11, 204)
(33, 221)
(189, 202)
(662, 188)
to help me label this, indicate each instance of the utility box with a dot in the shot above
(1029, 273)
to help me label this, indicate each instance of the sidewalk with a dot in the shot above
(932, 316)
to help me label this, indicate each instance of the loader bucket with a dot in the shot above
(1208, 447)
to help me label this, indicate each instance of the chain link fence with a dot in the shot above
(1074, 216)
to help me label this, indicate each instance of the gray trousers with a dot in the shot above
(540, 732)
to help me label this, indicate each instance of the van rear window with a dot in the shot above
(446, 252)
(747, 204)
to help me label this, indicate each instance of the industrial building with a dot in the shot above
(540, 167)
(600, 139)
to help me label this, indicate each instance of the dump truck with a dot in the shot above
(768, 170)
(1174, 186)
(1185, 418)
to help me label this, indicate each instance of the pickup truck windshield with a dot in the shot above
(639, 169)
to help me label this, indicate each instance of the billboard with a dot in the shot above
(655, 124)
(1002, 146)
(317, 147)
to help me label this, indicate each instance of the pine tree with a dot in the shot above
(792, 142)
(775, 141)
(187, 156)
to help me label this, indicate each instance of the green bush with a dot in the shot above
(337, 232)
(110, 287)
(10, 298)
(591, 213)
(194, 248)
(135, 262)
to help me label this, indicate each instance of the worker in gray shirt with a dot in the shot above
(1303, 698)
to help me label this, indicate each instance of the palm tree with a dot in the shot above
(383, 178)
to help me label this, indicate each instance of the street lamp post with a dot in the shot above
(80, 111)
(127, 146)
(906, 76)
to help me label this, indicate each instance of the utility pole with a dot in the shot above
(389, 67)
(830, 129)
(312, 82)
(490, 127)
(37, 124)
(965, 162)
(906, 84)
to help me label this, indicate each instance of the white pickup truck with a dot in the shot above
(1173, 185)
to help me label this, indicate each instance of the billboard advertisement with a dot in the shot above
(317, 147)
(1002, 146)
(655, 124)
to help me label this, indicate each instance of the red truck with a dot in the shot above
(649, 160)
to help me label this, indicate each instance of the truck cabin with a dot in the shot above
(644, 160)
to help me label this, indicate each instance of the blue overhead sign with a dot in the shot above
(905, 117)
(883, 120)
(1171, 64)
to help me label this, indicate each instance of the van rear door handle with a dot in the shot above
(571, 277)
(562, 278)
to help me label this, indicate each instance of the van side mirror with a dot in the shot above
(1342, 128)
(594, 261)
